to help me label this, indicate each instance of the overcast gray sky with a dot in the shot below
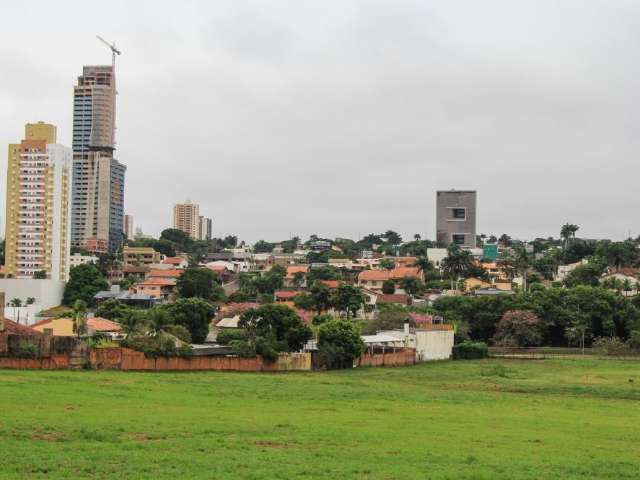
(344, 117)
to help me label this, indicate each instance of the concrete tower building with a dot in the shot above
(205, 228)
(127, 226)
(38, 206)
(186, 217)
(456, 218)
(98, 178)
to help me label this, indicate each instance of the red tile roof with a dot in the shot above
(158, 281)
(331, 283)
(285, 294)
(394, 298)
(173, 260)
(293, 269)
(373, 275)
(14, 328)
(169, 272)
(404, 272)
(100, 324)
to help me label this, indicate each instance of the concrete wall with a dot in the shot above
(433, 344)
(48, 293)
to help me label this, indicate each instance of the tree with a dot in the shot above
(199, 282)
(424, 264)
(392, 237)
(79, 317)
(40, 275)
(30, 301)
(321, 295)
(132, 322)
(263, 247)
(587, 274)
(16, 303)
(568, 233)
(347, 299)
(84, 282)
(158, 319)
(326, 272)
(339, 343)
(279, 326)
(180, 239)
(388, 287)
(112, 309)
(193, 313)
(298, 279)
(519, 328)
(304, 301)
(387, 264)
(390, 317)
(456, 264)
(412, 285)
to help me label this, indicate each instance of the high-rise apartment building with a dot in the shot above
(98, 178)
(38, 205)
(456, 218)
(186, 217)
(205, 228)
(127, 226)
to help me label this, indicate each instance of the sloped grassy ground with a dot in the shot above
(491, 419)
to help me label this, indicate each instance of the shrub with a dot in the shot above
(321, 318)
(185, 351)
(609, 346)
(469, 350)
(339, 343)
(28, 349)
(243, 349)
(518, 328)
(179, 331)
(634, 340)
(228, 335)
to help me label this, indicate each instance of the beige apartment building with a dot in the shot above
(139, 256)
(38, 205)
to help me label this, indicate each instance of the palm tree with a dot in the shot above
(132, 322)
(424, 264)
(568, 232)
(16, 303)
(417, 237)
(159, 320)
(79, 317)
(298, 279)
(457, 263)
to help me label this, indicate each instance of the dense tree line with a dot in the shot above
(600, 312)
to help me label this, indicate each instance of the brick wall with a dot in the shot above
(405, 356)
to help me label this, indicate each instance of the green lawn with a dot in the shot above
(494, 419)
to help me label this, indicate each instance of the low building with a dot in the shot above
(176, 262)
(431, 342)
(137, 256)
(374, 279)
(157, 288)
(63, 327)
(79, 259)
(128, 298)
(284, 295)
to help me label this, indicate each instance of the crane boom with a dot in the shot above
(112, 46)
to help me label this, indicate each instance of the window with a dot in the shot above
(459, 213)
(457, 238)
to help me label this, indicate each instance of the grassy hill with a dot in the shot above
(493, 419)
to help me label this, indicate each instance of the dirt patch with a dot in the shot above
(47, 436)
(268, 444)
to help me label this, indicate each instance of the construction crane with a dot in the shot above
(114, 50)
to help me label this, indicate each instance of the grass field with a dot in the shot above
(493, 419)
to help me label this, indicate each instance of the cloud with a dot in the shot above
(343, 118)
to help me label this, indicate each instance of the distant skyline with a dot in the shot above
(344, 118)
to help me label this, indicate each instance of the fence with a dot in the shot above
(539, 353)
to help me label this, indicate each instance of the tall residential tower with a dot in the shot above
(38, 205)
(456, 218)
(98, 178)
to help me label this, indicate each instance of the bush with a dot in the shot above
(321, 318)
(228, 335)
(185, 351)
(339, 343)
(243, 349)
(179, 331)
(634, 340)
(609, 346)
(28, 349)
(469, 350)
